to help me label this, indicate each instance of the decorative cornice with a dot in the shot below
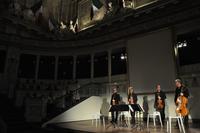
(140, 21)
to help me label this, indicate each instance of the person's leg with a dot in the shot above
(133, 117)
(116, 116)
(186, 121)
(163, 115)
(112, 115)
(145, 114)
(158, 118)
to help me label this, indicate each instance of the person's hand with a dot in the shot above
(178, 100)
(181, 94)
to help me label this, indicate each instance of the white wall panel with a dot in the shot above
(151, 61)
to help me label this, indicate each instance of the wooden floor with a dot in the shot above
(86, 126)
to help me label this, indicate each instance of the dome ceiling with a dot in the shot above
(83, 22)
(64, 18)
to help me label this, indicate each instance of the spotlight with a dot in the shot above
(182, 44)
(123, 56)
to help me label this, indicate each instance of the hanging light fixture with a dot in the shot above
(123, 56)
(182, 44)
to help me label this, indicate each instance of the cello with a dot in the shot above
(181, 109)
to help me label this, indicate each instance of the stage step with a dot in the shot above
(82, 111)
(57, 111)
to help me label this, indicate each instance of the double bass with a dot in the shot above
(181, 109)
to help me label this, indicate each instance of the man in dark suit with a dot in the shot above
(115, 98)
(181, 90)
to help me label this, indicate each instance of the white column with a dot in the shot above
(133, 3)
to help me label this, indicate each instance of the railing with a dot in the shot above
(191, 80)
(190, 75)
(99, 89)
(82, 93)
(141, 3)
(91, 89)
(190, 69)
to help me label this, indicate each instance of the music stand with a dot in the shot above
(138, 108)
(135, 107)
(120, 107)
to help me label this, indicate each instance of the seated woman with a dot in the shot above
(132, 99)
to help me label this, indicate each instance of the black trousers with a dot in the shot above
(186, 121)
(162, 113)
(114, 115)
(133, 117)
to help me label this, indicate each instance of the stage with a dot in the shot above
(86, 126)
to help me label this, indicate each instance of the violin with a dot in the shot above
(181, 109)
(113, 102)
(131, 100)
(160, 103)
